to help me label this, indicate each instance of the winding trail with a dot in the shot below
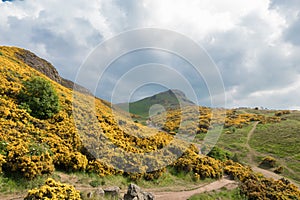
(181, 195)
(253, 165)
(251, 152)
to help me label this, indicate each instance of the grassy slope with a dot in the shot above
(279, 140)
(167, 99)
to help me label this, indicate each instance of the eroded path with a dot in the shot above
(181, 195)
(250, 159)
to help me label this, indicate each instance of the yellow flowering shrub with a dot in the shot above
(255, 186)
(2, 161)
(28, 162)
(237, 170)
(100, 168)
(203, 166)
(70, 161)
(206, 119)
(54, 190)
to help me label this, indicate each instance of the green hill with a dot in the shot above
(171, 99)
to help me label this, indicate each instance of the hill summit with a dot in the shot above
(169, 100)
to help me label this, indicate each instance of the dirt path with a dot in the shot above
(181, 195)
(160, 193)
(251, 151)
(253, 165)
(12, 197)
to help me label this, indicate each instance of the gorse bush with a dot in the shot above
(23, 159)
(39, 98)
(54, 190)
(268, 162)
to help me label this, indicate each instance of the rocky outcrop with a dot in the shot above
(48, 69)
(38, 64)
(134, 192)
(113, 192)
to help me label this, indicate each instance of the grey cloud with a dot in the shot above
(66, 33)
(293, 31)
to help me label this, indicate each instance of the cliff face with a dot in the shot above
(48, 69)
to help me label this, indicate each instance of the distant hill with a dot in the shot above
(170, 99)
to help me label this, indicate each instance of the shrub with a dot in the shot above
(279, 170)
(39, 98)
(268, 162)
(26, 161)
(54, 190)
(70, 161)
(219, 154)
(2, 161)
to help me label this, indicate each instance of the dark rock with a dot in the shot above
(134, 193)
(48, 69)
(90, 195)
(112, 191)
(39, 64)
(70, 84)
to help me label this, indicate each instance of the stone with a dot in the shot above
(134, 192)
(112, 191)
(99, 192)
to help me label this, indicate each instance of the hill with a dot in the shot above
(86, 136)
(171, 99)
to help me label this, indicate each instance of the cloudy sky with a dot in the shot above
(254, 44)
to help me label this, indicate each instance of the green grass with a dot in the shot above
(166, 99)
(93, 180)
(224, 194)
(281, 141)
(235, 142)
(169, 179)
(15, 183)
(259, 112)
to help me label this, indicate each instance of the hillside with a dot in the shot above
(86, 136)
(171, 99)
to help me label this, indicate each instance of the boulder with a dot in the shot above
(99, 192)
(134, 192)
(95, 194)
(112, 191)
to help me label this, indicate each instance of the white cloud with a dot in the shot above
(254, 43)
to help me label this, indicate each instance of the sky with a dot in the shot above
(255, 45)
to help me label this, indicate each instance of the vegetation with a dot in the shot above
(171, 99)
(201, 119)
(280, 141)
(219, 154)
(268, 162)
(39, 98)
(223, 194)
(35, 145)
(54, 190)
(255, 186)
